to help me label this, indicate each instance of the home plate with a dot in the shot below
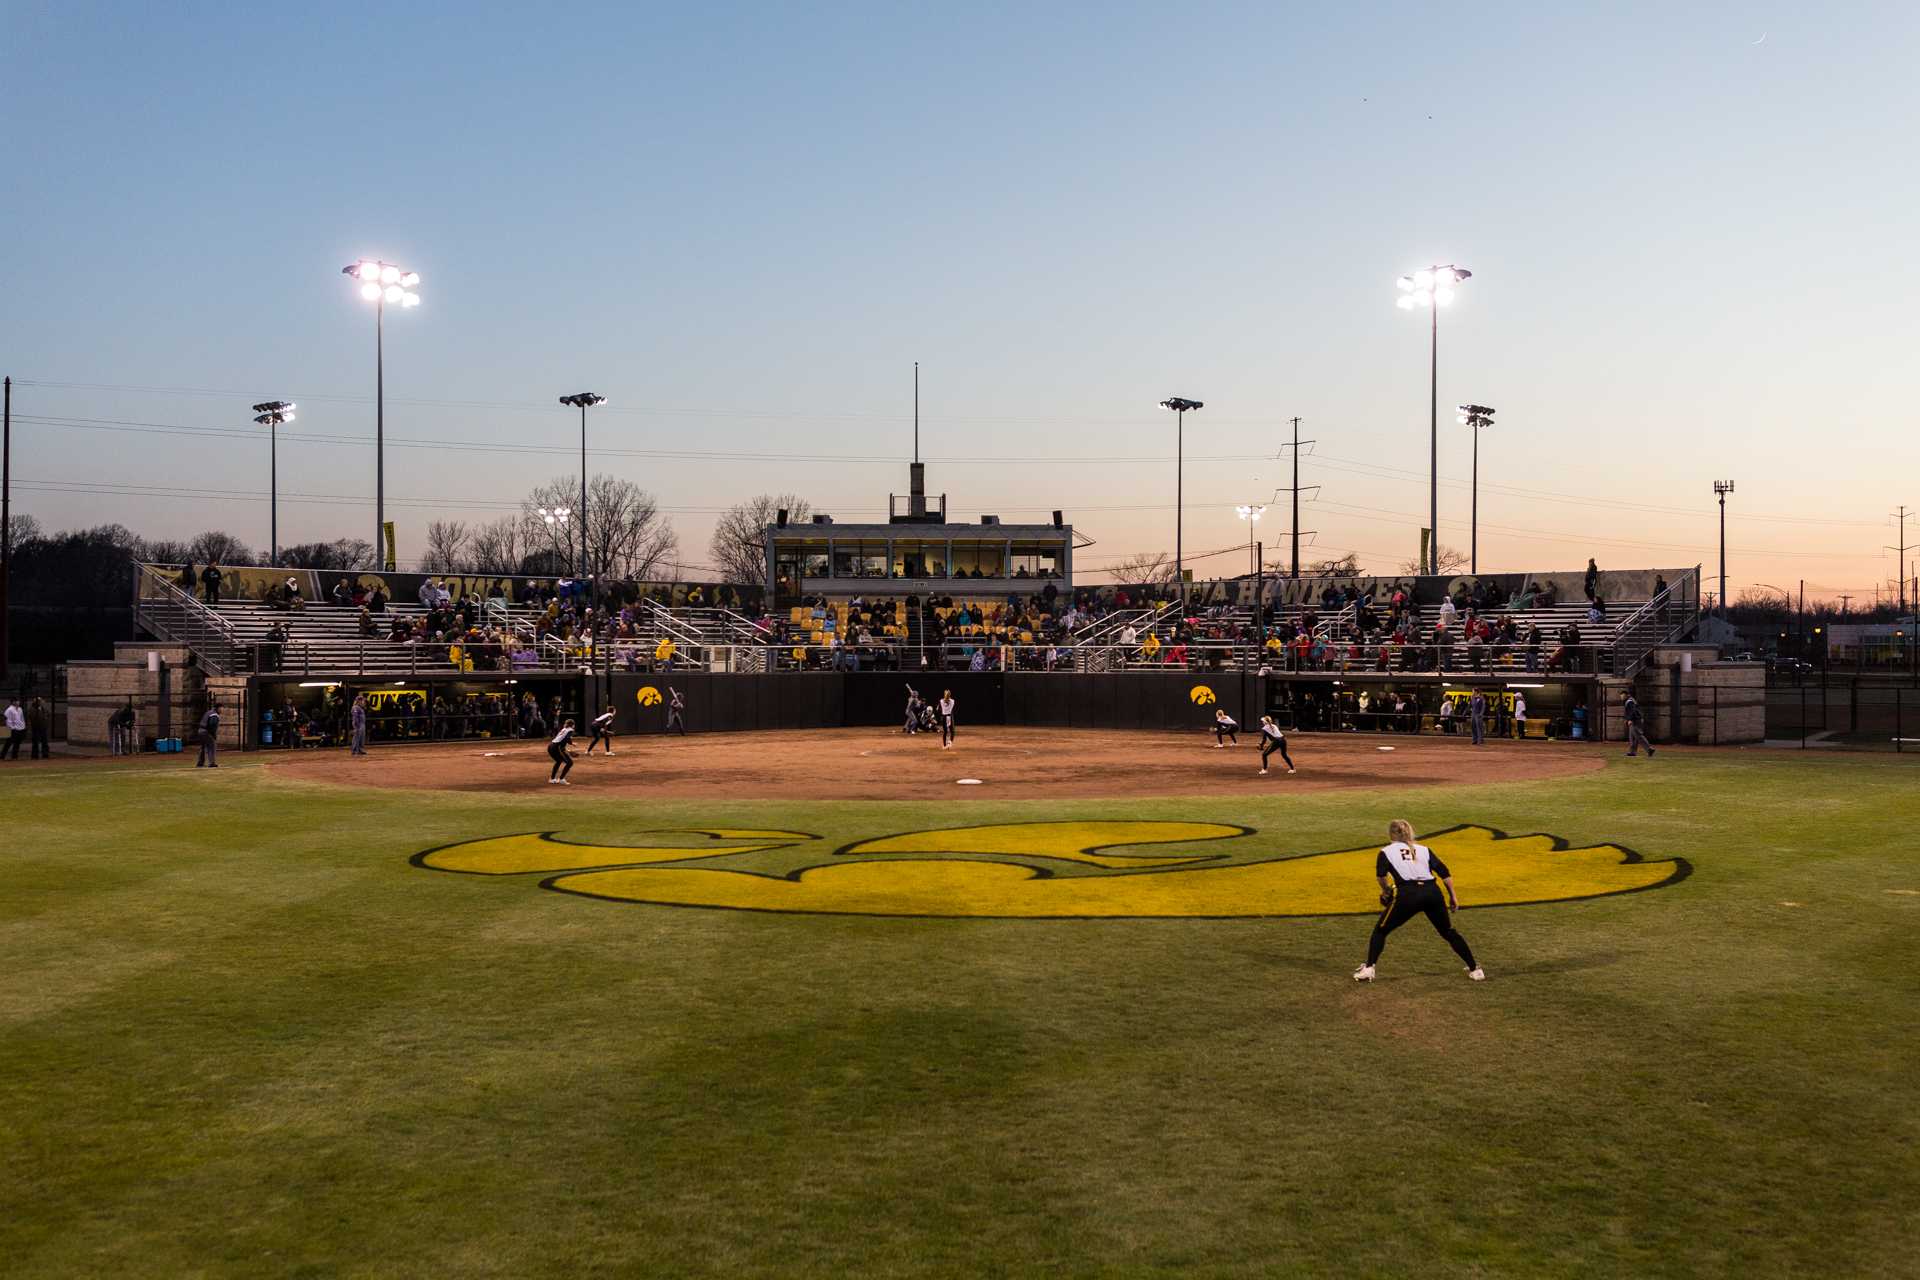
(968, 782)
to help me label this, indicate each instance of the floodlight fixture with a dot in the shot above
(1180, 407)
(1432, 288)
(583, 401)
(270, 414)
(381, 283)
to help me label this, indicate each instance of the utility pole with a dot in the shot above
(1900, 565)
(1722, 488)
(1845, 600)
(1295, 490)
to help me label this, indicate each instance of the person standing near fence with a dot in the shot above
(209, 738)
(359, 717)
(1477, 715)
(1636, 722)
(39, 718)
(676, 713)
(210, 580)
(1519, 715)
(16, 730)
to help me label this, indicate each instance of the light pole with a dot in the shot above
(381, 283)
(1180, 407)
(1722, 488)
(583, 401)
(1432, 288)
(1251, 514)
(1475, 416)
(270, 414)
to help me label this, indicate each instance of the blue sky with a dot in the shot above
(744, 223)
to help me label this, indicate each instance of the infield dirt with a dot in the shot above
(1014, 763)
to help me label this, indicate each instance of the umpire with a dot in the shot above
(1636, 726)
(209, 738)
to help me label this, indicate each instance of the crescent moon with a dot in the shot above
(1762, 39)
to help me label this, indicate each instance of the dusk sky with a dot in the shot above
(1692, 232)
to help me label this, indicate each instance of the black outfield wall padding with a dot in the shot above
(831, 700)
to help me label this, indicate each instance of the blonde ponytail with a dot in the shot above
(1400, 829)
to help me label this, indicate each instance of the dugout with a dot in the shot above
(436, 708)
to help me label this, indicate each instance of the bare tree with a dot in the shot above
(1347, 566)
(1452, 560)
(739, 548)
(447, 544)
(22, 529)
(627, 537)
(215, 547)
(497, 546)
(342, 553)
(1152, 567)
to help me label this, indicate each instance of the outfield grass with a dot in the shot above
(243, 1036)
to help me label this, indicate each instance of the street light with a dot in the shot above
(583, 401)
(1475, 416)
(1432, 288)
(1180, 406)
(1251, 514)
(381, 283)
(270, 414)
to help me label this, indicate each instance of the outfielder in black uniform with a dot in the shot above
(1410, 882)
(1225, 727)
(602, 731)
(1272, 740)
(561, 757)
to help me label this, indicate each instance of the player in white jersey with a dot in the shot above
(1272, 740)
(602, 732)
(1224, 727)
(561, 757)
(946, 718)
(1410, 882)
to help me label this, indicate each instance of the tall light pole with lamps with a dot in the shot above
(1721, 489)
(270, 414)
(1251, 513)
(1180, 407)
(583, 401)
(1475, 416)
(381, 283)
(1432, 288)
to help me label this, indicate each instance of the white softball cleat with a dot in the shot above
(1478, 975)
(1363, 974)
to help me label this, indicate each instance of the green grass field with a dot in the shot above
(243, 1036)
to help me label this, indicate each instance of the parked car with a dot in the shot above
(1789, 666)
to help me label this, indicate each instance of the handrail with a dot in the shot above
(1641, 632)
(183, 620)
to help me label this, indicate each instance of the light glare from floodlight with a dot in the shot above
(370, 291)
(410, 279)
(389, 275)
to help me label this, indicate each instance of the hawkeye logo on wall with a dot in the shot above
(648, 695)
(1202, 696)
(1042, 870)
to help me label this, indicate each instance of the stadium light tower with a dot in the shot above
(1432, 288)
(1251, 514)
(1475, 416)
(1180, 408)
(1722, 488)
(583, 401)
(381, 283)
(270, 414)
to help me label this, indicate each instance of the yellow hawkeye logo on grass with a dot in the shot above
(1201, 695)
(648, 695)
(1042, 870)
